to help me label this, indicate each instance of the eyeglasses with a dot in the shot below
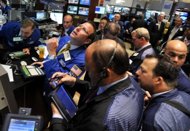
(83, 28)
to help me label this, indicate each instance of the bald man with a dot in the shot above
(68, 25)
(117, 103)
(177, 51)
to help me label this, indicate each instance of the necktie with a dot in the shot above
(68, 46)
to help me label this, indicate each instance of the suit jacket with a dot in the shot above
(118, 108)
(62, 65)
(179, 32)
(159, 116)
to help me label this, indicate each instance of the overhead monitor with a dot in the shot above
(85, 2)
(72, 9)
(83, 11)
(100, 10)
(111, 16)
(57, 16)
(73, 1)
(117, 9)
(109, 8)
(183, 15)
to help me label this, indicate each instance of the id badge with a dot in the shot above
(17, 39)
(67, 55)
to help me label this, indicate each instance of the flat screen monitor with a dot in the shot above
(57, 16)
(41, 15)
(111, 16)
(109, 8)
(85, 2)
(18, 122)
(72, 9)
(183, 15)
(117, 9)
(73, 1)
(100, 10)
(125, 10)
(83, 11)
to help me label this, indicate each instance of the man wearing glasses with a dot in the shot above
(67, 25)
(140, 38)
(177, 51)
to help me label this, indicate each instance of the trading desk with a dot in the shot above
(20, 93)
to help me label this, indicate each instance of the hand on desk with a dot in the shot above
(64, 78)
(40, 64)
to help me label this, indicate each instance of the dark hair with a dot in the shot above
(28, 22)
(119, 63)
(105, 18)
(93, 35)
(166, 69)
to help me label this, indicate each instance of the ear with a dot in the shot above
(158, 80)
(87, 41)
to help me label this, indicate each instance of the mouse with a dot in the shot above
(34, 59)
(23, 63)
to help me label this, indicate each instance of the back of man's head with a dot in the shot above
(110, 54)
(112, 30)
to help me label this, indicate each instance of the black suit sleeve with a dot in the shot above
(57, 125)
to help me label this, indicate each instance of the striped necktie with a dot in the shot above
(65, 48)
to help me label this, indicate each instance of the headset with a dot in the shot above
(104, 73)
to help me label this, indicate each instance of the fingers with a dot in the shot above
(58, 74)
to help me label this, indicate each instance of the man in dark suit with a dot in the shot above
(177, 30)
(115, 101)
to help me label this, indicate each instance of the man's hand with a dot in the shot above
(38, 63)
(26, 51)
(64, 78)
(52, 45)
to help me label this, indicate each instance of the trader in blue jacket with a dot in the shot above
(20, 36)
(158, 75)
(67, 55)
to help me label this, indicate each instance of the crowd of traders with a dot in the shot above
(142, 91)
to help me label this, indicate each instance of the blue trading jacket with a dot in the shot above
(12, 29)
(183, 82)
(77, 58)
(160, 116)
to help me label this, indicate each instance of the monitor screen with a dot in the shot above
(125, 10)
(73, 1)
(183, 15)
(41, 15)
(83, 11)
(100, 10)
(57, 16)
(85, 2)
(117, 9)
(111, 16)
(21, 125)
(109, 9)
(72, 9)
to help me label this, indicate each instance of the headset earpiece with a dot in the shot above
(104, 73)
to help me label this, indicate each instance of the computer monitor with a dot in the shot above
(100, 10)
(41, 15)
(18, 122)
(83, 11)
(125, 10)
(85, 2)
(111, 16)
(73, 1)
(57, 16)
(72, 9)
(109, 8)
(117, 9)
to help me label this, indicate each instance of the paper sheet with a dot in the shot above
(9, 72)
